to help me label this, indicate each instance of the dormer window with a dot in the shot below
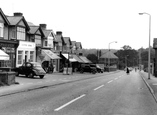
(1, 29)
(21, 33)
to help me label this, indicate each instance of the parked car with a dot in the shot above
(30, 69)
(87, 68)
(98, 68)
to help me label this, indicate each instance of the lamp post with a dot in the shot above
(108, 56)
(126, 60)
(149, 41)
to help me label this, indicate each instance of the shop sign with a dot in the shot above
(24, 44)
(7, 45)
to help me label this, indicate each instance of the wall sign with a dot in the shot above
(24, 44)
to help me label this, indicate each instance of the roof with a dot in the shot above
(78, 44)
(85, 59)
(109, 54)
(14, 20)
(47, 32)
(73, 43)
(33, 29)
(30, 24)
(67, 40)
(78, 59)
(59, 38)
(4, 16)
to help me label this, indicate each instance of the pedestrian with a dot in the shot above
(127, 70)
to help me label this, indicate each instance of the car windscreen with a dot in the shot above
(36, 65)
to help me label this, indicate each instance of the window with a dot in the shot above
(20, 57)
(1, 29)
(21, 33)
(38, 40)
(45, 43)
(31, 56)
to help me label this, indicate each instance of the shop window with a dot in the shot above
(1, 29)
(31, 56)
(20, 57)
(26, 56)
(21, 33)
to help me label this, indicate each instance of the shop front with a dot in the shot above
(25, 52)
(47, 58)
(9, 47)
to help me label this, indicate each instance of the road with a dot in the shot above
(114, 94)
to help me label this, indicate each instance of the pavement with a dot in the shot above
(151, 83)
(24, 84)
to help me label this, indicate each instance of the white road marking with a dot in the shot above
(98, 87)
(61, 107)
(110, 81)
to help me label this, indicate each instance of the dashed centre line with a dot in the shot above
(110, 81)
(98, 87)
(116, 78)
(61, 107)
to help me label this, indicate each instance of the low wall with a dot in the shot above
(67, 71)
(7, 78)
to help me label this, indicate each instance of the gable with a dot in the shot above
(50, 35)
(38, 32)
(21, 23)
(1, 19)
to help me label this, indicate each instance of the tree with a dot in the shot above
(144, 56)
(127, 56)
(126, 47)
(92, 57)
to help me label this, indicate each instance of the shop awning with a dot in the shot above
(85, 59)
(3, 55)
(78, 59)
(48, 54)
(71, 58)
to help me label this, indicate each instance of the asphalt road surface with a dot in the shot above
(114, 94)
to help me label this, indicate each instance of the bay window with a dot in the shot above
(21, 33)
(1, 29)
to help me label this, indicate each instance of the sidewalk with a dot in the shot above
(151, 83)
(56, 78)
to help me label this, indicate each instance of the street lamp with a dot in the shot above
(126, 60)
(108, 56)
(149, 42)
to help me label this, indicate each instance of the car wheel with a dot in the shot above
(81, 71)
(31, 75)
(93, 71)
(17, 73)
(41, 76)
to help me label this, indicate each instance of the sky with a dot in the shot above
(94, 23)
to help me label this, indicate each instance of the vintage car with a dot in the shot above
(87, 68)
(98, 68)
(30, 69)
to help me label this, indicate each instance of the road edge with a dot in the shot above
(149, 87)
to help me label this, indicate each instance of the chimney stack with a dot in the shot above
(18, 14)
(43, 26)
(59, 32)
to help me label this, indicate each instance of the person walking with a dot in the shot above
(127, 70)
